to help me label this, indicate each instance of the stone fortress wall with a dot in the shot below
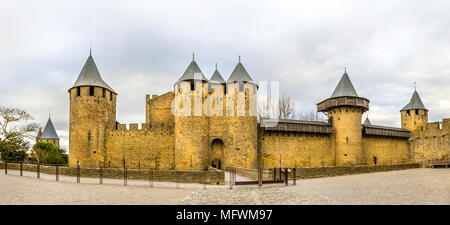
(211, 128)
(431, 143)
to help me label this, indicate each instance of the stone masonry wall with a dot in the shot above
(314, 172)
(387, 150)
(296, 149)
(148, 147)
(431, 143)
(158, 109)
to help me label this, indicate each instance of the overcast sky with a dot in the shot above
(143, 47)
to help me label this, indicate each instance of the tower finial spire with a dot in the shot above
(345, 69)
(90, 48)
(239, 58)
(216, 66)
(415, 86)
(193, 57)
(49, 110)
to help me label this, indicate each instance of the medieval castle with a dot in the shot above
(213, 122)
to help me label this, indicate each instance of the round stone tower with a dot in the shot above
(191, 125)
(344, 109)
(414, 115)
(92, 113)
(241, 105)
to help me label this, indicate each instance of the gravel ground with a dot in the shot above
(414, 186)
(30, 190)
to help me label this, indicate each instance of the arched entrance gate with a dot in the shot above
(216, 154)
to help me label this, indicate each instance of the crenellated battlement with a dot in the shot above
(143, 129)
(434, 129)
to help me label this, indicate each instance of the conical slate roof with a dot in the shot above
(89, 76)
(367, 121)
(240, 74)
(217, 78)
(49, 131)
(414, 103)
(39, 133)
(192, 72)
(344, 88)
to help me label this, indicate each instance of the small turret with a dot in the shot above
(414, 115)
(367, 121)
(49, 134)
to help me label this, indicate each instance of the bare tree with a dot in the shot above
(16, 123)
(312, 116)
(285, 110)
(16, 126)
(286, 107)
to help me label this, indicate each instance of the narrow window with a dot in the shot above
(225, 90)
(78, 91)
(408, 113)
(346, 140)
(241, 87)
(209, 88)
(110, 96)
(91, 91)
(192, 86)
(417, 112)
(103, 93)
(89, 135)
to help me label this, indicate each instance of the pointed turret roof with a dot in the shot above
(89, 76)
(192, 72)
(344, 87)
(217, 78)
(414, 103)
(49, 131)
(367, 121)
(240, 74)
(39, 133)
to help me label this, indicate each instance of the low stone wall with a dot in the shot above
(209, 177)
(252, 174)
(345, 170)
(314, 172)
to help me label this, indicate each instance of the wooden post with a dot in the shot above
(294, 174)
(286, 178)
(38, 170)
(151, 177)
(78, 171)
(274, 173)
(21, 168)
(101, 175)
(6, 167)
(57, 173)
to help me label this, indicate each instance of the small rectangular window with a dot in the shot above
(225, 90)
(192, 86)
(417, 112)
(91, 91)
(103, 93)
(209, 89)
(89, 135)
(110, 96)
(241, 87)
(78, 91)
